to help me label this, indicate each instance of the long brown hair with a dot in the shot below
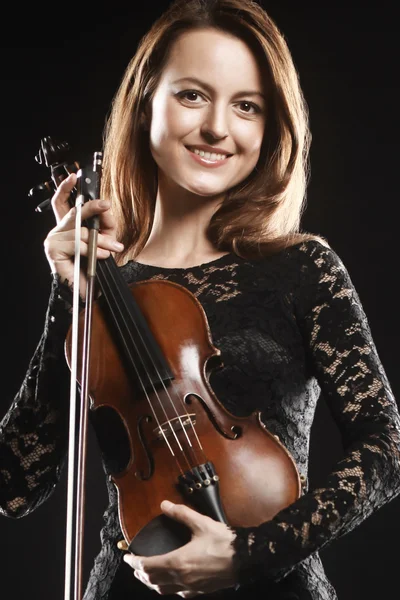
(260, 215)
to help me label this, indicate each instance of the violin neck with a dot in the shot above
(144, 356)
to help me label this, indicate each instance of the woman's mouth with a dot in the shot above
(208, 159)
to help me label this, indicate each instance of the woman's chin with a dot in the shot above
(206, 191)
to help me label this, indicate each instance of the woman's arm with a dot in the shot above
(34, 431)
(344, 359)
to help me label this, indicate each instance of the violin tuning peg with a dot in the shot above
(122, 545)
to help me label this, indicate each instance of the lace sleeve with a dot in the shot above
(344, 359)
(33, 433)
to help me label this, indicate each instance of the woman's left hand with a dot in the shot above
(202, 566)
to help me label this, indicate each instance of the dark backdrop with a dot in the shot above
(59, 71)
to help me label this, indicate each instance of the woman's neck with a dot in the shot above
(178, 235)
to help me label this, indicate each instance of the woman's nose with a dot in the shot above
(215, 124)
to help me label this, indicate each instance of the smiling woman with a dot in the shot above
(205, 173)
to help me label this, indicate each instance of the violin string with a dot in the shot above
(161, 381)
(168, 421)
(141, 382)
(158, 374)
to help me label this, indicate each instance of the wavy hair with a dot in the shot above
(262, 214)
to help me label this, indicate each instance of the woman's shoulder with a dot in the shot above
(299, 268)
(312, 253)
(318, 258)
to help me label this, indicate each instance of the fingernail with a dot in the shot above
(118, 246)
(167, 504)
(104, 204)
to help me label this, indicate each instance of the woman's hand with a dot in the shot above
(59, 244)
(202, 566)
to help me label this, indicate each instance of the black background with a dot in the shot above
(59, 71)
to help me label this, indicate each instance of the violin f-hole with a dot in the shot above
(235, 429)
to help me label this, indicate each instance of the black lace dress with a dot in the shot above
(288, 326)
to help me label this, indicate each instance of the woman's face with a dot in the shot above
(208, 113)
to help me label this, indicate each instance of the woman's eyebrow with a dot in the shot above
(209, 88)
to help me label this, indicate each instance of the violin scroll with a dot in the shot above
(56, 156)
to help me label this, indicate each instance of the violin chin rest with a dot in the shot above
(159, 536)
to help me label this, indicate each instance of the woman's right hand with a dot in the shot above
(59, 244)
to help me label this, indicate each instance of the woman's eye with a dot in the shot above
(249, 108)
(190, 95)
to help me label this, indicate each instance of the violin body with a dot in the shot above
(184, 445)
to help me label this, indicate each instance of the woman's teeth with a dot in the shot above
(208, 155)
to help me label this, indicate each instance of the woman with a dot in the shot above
(204, 182)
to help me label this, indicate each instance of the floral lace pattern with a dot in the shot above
(288, 327)
(33, 433)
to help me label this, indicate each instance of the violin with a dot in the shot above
(150, 362)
